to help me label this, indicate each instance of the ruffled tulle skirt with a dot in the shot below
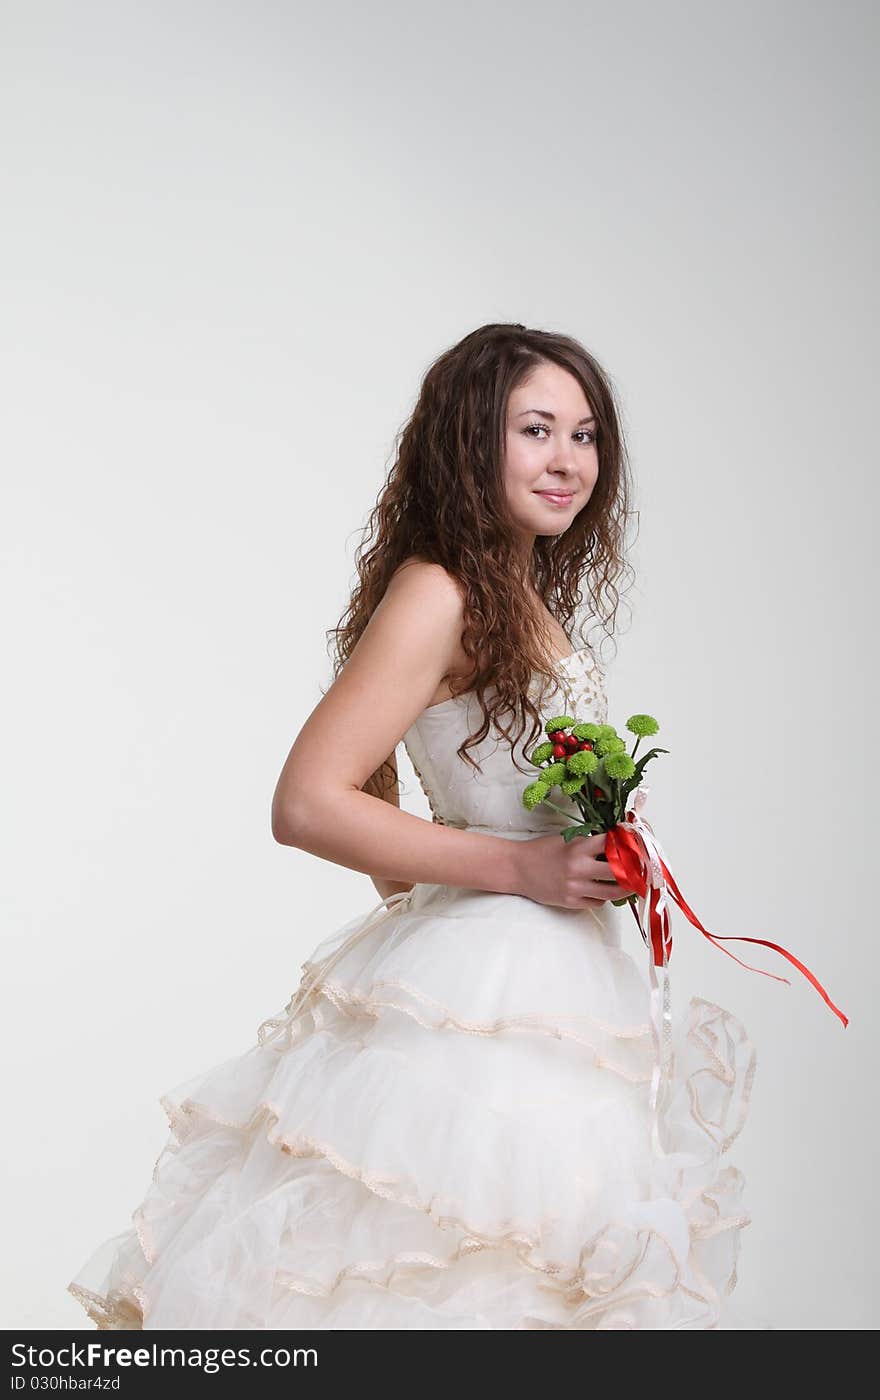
(448, 1127)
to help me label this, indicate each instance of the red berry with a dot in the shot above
(571, 742)
(557, 736)
(585, 744)
(560, 751)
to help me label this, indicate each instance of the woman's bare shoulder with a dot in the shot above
(440, 594)
(431, 578)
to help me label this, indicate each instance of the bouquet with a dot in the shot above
(589, 764)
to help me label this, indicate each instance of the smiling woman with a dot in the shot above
(448, 1125)
(551, 459)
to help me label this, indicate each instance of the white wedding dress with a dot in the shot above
(448, 1125)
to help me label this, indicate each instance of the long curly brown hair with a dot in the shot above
(444, 501)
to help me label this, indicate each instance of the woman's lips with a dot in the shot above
(556, 498)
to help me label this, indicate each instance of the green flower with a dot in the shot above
(608, 744)
(587, 731)
(534, 793)
(582, 761)
(572, 785)
(607, 731)
(619, 765)
(642, 725)
(554, 774)
(542, 752)
(560, 722)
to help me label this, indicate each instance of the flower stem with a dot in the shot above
(573, 816)
(592, 812)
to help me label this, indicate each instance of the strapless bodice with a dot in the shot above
(460, 796)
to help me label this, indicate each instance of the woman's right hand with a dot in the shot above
(567, 874)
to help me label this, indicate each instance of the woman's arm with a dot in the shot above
(409, 645)
(386, 788)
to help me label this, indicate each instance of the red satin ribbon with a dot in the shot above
(629, 864)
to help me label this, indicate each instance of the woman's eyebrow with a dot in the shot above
(545, 413)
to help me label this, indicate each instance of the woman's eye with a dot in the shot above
(587, 434)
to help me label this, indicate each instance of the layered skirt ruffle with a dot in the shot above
(447, 1127)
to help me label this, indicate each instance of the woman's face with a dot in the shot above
(550, 448)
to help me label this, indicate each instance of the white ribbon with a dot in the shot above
(285, 1019)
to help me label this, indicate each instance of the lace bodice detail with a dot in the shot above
(460, 796)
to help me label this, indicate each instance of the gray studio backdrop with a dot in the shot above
(233, 238)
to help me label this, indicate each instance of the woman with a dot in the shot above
(448, 1126)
